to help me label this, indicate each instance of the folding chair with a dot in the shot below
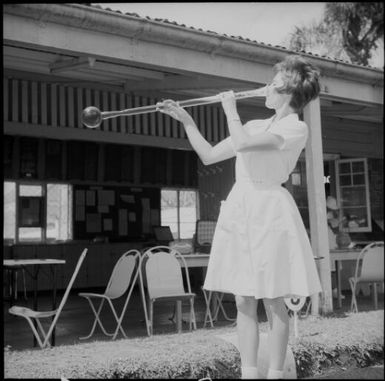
(165, 282)
(214, 298)
(123, 277)
(32, 315)
(369, 269)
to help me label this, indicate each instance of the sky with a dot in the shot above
(266, 22)
(245, 19)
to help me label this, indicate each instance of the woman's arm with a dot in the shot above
(242, 140)
(206, 152)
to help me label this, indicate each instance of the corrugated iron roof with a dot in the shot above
(240, 38)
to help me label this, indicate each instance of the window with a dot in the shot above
(9, 232)
(30, 213)
(297, 184)
(59, 212)
(353, 194)
(179, 211)
(37, 212)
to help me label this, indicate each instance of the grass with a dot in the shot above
(323, 342)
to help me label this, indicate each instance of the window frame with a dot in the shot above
(43, 211)
(178, 190)
(368, 227)
(18, 198)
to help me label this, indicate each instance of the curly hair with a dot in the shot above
(301, 80)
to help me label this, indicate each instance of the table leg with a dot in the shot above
(179, 316)
(53, 302)
(11, 279)
(338, 276)
(208, 307)
(35, 304)
(214, 306)
(375, 295)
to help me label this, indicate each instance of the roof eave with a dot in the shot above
(92, 18)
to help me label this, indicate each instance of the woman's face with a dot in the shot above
(275, 100)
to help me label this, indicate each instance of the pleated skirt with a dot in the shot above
(260, 246)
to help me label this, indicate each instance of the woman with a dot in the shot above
(260, 248)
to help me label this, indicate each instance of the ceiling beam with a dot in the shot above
(176, 82)
(73, 63)
(127, 70)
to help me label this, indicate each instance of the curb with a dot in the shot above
(307, 361)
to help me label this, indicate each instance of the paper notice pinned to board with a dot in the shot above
(103, 208)
(90, 198)
(93, 223)
(146, 216)
(80, 213)
(155, 217)
(129, 198)
(80, 197)
(107, 224)
(106, 197)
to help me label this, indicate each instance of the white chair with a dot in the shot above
(32, 315)
(369, 269)
(164, 278)
(123, 277)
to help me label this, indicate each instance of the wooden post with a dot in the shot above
(317, 205)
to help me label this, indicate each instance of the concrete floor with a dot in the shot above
(76, 318)
(375, 372)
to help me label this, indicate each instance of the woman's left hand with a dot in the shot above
(228, 102)
(173, 109)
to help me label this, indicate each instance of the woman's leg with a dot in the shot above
(278, 335)
(248, 335)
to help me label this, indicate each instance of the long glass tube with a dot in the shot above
(92, 116)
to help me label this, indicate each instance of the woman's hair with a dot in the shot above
(301, 80)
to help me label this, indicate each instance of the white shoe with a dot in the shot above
(275, 374)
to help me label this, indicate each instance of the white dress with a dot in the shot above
(260, 246)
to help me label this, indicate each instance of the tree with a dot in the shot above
(348, 31)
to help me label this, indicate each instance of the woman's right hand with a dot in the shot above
(172, 109)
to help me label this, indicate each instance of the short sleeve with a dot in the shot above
(255, 126)
(294, 134)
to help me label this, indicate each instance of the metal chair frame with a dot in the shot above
(365, 274)
(150, 260)
(217, 299)
(123, 277)
(32, 315)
